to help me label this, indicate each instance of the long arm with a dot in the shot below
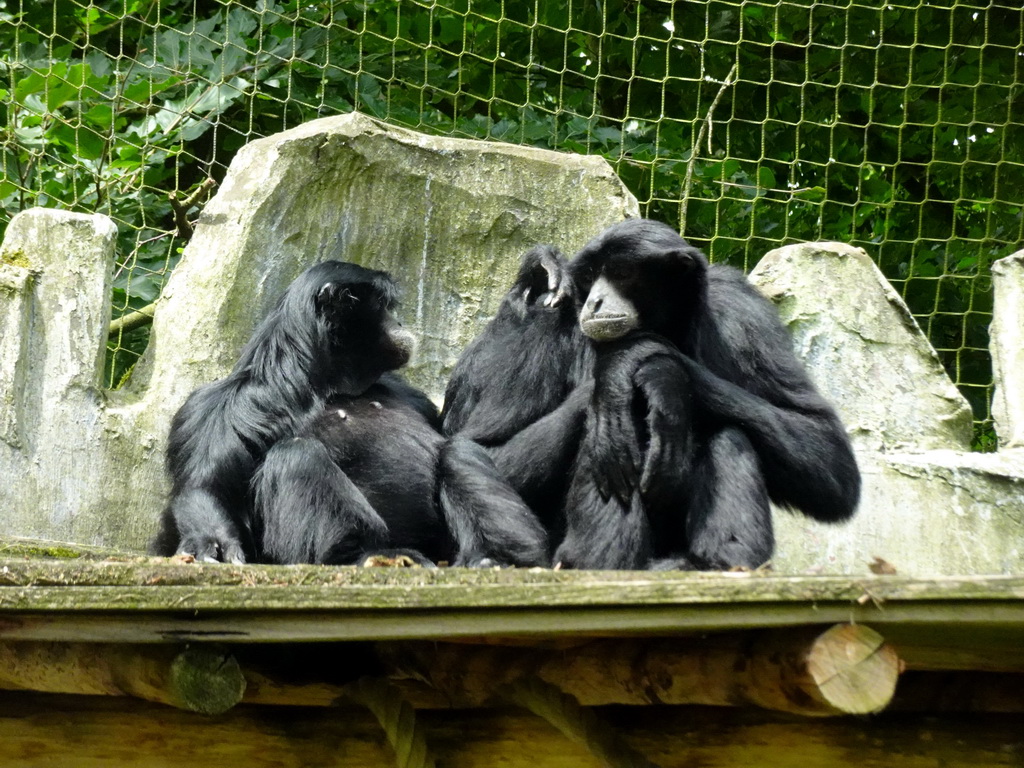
(642, 421)
(210, 464)
(631, 488)
(490, 523)
(196, 523)
(537, 459)
(749, 377)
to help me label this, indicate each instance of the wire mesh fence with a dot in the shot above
(897, 126)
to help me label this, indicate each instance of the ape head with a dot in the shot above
(341, 317)
(638, 275)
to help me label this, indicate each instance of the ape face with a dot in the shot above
(361, 319)
(636, 275)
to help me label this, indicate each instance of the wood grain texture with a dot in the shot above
(81, 732)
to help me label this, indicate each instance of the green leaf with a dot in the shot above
(28, 86)
(451, 30)
(100, 115)
(810, 194)
(84, 143)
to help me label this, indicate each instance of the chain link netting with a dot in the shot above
(897, 126)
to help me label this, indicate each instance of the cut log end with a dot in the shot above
(853, 669)
(206, 680)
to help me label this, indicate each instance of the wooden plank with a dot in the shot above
(82, 732)
(156, 584)
(260, 626)
(448, 587)
(946, 623)
(21, 547)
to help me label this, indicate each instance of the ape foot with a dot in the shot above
(396, 558)
(209, 549)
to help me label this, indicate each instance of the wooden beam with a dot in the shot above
(845, 669)
(960, 692)
(201, 679)
(85, 732)
(156, 600)
(685, 670)
(180, 625)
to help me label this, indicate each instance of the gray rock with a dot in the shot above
(1007, 346)
(864, 348)
(448, 217)
(929, 507)
(928, 514)
(54, 311)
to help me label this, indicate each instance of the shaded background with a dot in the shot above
(897, 126)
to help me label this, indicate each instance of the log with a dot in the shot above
(201, 679)
(846, 669)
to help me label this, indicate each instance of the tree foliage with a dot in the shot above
(748, 123)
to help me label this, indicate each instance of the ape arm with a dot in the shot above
(803, 447)
(536, 460)
(209, 461)
(488, 520)
(310, 511)
(641, 419)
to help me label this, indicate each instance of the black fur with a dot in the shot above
(695, 410)
(310, 452)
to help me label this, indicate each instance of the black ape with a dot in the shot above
(522, 387)
(698, 413)
(308, 451)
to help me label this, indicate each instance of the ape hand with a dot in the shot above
(222, 548)
(543, 278)
(616, 461)
(642, 420)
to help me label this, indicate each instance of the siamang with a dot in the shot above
(657, 404)
(312, 451)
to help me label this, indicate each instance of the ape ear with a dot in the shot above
(681, 256)
(685, 258)
(335, 296)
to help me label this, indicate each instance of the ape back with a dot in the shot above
(331, 332)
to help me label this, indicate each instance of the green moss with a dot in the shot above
(49, 550)
(15, 258)
(60, 553)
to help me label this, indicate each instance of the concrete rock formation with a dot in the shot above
(448, 217)
(929, 506)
